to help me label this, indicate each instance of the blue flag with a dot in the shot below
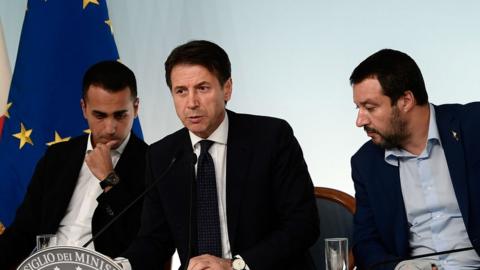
(60, 40)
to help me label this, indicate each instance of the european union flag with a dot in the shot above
(60, 39)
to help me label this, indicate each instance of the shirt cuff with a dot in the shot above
(123, 262)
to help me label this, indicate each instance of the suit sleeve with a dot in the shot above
(18, 240)
(367, 244)
(297, 225)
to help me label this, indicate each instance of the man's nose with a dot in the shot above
(192, 99)
(110, 126)
(362, 119)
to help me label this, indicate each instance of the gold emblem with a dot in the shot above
(2, 228)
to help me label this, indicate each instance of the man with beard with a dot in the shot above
(80, 185)
(417, 181)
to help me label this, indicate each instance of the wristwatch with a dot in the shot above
(111, 180)
(238, 263)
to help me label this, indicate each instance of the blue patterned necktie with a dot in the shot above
(208, 221)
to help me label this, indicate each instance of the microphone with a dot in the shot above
(397, 260)
(190, 210)
(153, 184)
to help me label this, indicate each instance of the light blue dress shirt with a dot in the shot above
(434, 217)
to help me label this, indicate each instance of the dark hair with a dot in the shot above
(111, 75)
(203, 53)
(396, 71)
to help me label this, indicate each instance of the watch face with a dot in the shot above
(238, 264)
(113, 179)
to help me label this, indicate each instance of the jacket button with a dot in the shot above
(109, 211)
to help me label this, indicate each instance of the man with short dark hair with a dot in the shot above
(417, 181)
(80, 185)
(247, 201)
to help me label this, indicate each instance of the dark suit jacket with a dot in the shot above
(49, 194)
(380, 224)
(271, 212)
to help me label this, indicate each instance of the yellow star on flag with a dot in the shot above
(23, 136)
(58, 139)
(86, 2)
(6, 110)
(109, 23)
(87, 131)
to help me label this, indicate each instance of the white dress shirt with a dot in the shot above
(75, 229)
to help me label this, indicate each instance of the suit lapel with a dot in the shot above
(238, 156)
(179, 187)
(184, 185)
(451, 137)
(129, 159)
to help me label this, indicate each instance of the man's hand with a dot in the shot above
(99, 160)
(209, 262)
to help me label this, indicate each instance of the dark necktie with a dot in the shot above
(208, 227)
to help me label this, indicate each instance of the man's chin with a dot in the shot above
(377, 142)
(385, 144)
(116, 144)
(376, 138)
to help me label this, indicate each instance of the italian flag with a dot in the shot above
(5, 77)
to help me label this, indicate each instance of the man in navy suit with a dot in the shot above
(264, 214)
(417, 181)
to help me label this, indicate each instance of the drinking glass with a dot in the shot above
(46, 240)
(336, 253)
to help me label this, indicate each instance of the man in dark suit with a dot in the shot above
(417, 181)
(253, 206)
(80, 185)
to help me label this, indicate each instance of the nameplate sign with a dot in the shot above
(68, 258)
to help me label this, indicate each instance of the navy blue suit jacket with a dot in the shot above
(380, 223)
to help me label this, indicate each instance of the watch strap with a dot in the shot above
(111, 180)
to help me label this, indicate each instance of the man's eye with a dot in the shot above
(180, 91)
(120, 116)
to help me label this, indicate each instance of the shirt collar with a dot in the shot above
(119, 149)
(433, 137)
(220, 135)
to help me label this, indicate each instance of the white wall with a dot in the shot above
(292, 59)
